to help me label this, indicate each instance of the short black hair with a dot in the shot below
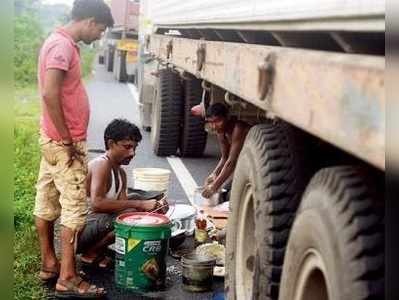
(97, 9)
(121, 129)
(217, 110)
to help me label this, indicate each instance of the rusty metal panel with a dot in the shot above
(337, 97)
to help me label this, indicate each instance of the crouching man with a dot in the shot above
(107, 192)
(231, 134)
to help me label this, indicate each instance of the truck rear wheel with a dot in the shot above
(110, 59)
(166, 113)
(193, 135)
(120, 66)
(336, 246)
(268, 182)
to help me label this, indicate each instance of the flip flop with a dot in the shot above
(72, 290)
(53, 274)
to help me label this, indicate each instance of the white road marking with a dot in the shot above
(133, 90)
(183, 175)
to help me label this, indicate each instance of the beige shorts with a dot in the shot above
(61, 190)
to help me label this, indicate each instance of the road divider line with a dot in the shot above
(133, 90)
(183, 175)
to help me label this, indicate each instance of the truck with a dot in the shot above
(120, 45)
(307, 201)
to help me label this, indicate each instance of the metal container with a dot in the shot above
(197, 272)
(184, 215)
(214, 200)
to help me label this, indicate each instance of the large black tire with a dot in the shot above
(336, 247)
(193, 135)
(110, 59)
(120, 66)
(166, 113)
(269, 180)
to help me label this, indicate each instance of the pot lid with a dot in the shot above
(143, 219)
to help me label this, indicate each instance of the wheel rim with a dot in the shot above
(245, 250)
(312, 282)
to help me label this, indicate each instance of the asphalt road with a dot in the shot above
(110, 99)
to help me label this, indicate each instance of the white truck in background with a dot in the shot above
(307, 203)
(120, 44)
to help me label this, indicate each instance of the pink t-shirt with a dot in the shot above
(61, 52)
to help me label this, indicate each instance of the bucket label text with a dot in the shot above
(152, 247)
(120, 245)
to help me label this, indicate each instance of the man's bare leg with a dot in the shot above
(45, 231)
(98, 248)
(68, 267)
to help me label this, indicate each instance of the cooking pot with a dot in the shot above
(182, 217)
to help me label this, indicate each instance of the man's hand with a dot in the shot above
(164, 204)
(208, 191)
(148, 205)
(210, 179)
(73, 153)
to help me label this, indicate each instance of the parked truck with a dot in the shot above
(307, 202)
(121, 42)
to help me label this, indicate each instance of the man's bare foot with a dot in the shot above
(90, 258)
(105, 263)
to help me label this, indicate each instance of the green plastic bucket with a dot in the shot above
(141, 245)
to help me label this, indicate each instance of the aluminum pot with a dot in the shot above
(182, 217)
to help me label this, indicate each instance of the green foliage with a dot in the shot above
(26, 156)
(28, 37)
(26, 165)
(87, 59)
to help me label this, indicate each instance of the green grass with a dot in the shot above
(26, 167)
(26, 161)
(27, 265)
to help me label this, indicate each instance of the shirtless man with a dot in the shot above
(231, 134)
(107, 192)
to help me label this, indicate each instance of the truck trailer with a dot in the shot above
(307, 202)
(120, 54)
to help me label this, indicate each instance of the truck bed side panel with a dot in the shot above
(337, 97)
(237, 11)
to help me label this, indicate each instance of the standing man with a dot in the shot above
(231, 134)
(61, 185)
